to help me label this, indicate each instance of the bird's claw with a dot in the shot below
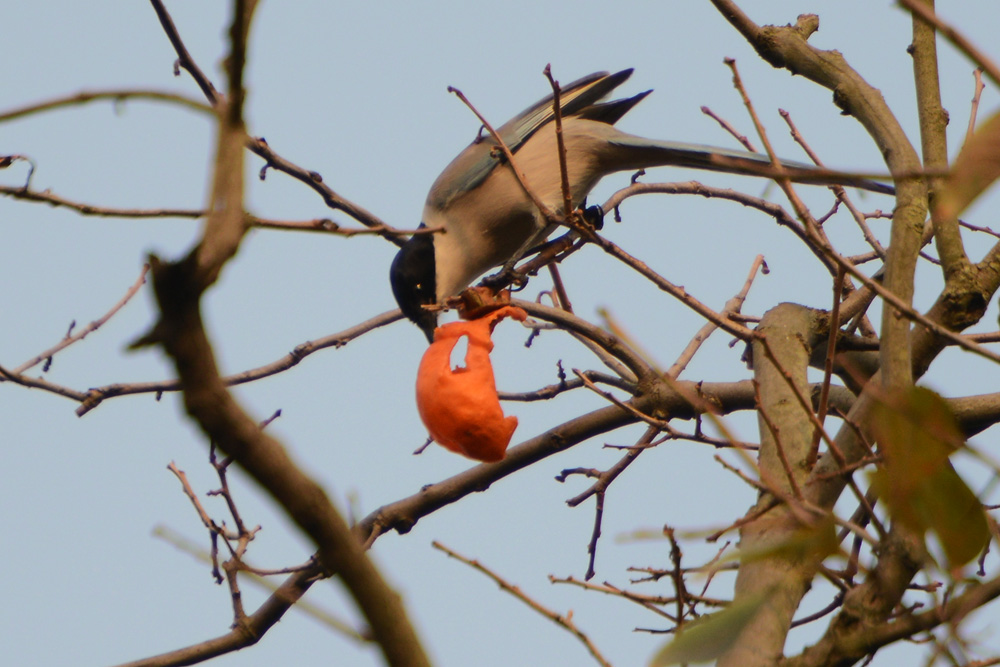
(507, 275)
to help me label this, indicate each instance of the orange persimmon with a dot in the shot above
(460, 407)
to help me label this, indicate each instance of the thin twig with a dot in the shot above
(742, 138)
(831, 348)
(560, 289)
(546, 212)
(560, 142)
(676, 291)
(52, 199)
(783, 181)
(90, 328)
(564, 621)
(926, 13)
(184, 58)
(974, 109)
(259, 146)
(599, 489)
(117, 96)
(731, 308)
(900, 305)
(95, 396)
(324, 225)
(257, 577)
(838, 190)
(652, 421)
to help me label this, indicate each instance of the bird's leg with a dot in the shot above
(507, 275)
(592, 216)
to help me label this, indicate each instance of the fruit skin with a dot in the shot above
(460, 407)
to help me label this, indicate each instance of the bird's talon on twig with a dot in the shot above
(507, 275)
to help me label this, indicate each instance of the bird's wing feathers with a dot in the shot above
(573, 99)
(611, 112)
(581, 99)
(476, 162)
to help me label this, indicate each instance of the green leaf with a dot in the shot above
(917, 433)
(710, 636)
(814, 542)
(974, 170)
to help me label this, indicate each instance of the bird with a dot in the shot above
(487, 218)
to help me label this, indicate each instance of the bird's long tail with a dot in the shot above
(638, 152)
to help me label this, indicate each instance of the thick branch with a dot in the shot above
(180, 331)
(403, 514)
(786, 441)
(787, 47)
(933, 138)
(852, 644)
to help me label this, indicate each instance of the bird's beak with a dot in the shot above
(427, 322)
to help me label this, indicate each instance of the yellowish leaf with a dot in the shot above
(710, 636)
(974, 170)
(917, 433)
(813, 542)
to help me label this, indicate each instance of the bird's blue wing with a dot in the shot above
(574, 98)
(477, 161)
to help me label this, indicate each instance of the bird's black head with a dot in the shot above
(413, 284)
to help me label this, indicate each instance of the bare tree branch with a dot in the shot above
(178, 288)
(562, 620)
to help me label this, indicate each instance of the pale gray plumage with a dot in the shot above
(488, 218)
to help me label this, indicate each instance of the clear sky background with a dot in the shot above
(357, 92)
